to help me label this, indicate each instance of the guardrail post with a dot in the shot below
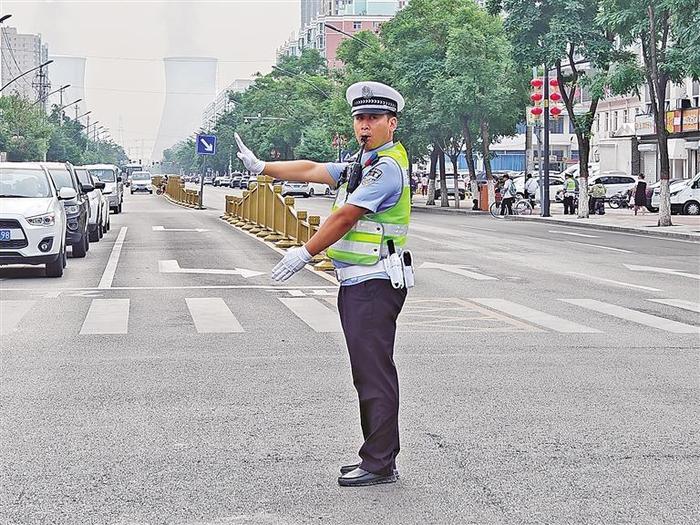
(277, 215)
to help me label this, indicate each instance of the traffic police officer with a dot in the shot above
(367, 223)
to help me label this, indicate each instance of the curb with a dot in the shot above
(609, 227)
(445, 211)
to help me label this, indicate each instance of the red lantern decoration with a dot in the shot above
(555, 97)
(554, 82)
(537, 111)
(536, 97)
(536, 83)
(555, 111)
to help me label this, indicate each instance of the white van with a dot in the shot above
(114, 189)
(685, 196)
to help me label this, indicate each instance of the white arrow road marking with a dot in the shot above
(668, 271)
(172, 266)
(679, 303)
(636, 317)
(574, 234)
(458, 270)
(207, 146)
(599, 246)
(163, 229)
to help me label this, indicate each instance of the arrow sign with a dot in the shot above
(458, 270)
(174, 267)
(668, 271)
(206, 145)
(163, 229)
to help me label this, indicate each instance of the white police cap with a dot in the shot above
(373, 97)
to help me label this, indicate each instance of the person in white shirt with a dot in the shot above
(508, 193)
(532, 189)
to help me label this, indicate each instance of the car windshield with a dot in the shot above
(141, 175)
(83, 177)
(25, 183)
(105, 175)
(61, 178)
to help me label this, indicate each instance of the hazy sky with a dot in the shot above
(125, 41)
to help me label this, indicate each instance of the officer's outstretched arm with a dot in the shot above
(298, 170)
(334, 227)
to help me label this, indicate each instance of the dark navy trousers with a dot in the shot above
(368, 313)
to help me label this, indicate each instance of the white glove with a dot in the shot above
(294, 260)
(250, 161)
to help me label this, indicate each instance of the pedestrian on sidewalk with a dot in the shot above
(569, 194)
(370, 219)
(424, 185)
(532, 189)
(596, 195)
(640, 195)
(508, 193)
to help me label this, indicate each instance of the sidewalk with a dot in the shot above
(622, 220)
(684, 226)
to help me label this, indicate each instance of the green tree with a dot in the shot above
(24, 130)
(667, 31)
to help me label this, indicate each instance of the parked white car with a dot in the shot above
(114, 188)
(32, 218)
(450, 184)
(685, 196)
(306, 189)
(614, 182)
(99, 206)
(556, 184)
(222, 180)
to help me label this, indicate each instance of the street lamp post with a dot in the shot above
(4, 17)
(26, 73)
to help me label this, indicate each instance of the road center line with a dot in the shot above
(601, 247)
(616, 283)
(111, 268)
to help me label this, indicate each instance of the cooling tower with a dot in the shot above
(68, 70)
(190, 84)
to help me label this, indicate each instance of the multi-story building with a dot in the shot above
(222, 102)
(20, 53)
(310, 9)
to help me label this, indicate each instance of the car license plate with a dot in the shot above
(5, 235)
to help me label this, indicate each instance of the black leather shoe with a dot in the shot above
(362, 478)
(349, 468)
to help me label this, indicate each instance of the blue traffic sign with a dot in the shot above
(206, 144)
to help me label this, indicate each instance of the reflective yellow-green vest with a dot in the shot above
(366, 243)
(570, 185)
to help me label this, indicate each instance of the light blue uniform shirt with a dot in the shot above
(376, 193)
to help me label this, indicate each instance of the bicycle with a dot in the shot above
(520, 207)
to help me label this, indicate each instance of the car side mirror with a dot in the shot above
(66, 194)
(99, 185)
(87, 188)
(119, 179)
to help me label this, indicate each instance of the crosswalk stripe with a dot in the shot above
(680, 303)
(107, 316)
(633, 315)
(11, 313)
(314, 313)
(535, 316)
(212, 315)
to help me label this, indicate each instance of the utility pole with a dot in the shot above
(545, 201)
(42, 85)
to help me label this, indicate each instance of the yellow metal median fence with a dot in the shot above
(263, 212)
(175, 190)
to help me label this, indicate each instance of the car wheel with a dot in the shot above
(328, 191)
(691, 208)
(79, 249)
(652, 209)
(95, 235)
(100, 231)
(311, 192)
(119, 208)
(86, 238)
(55, 268)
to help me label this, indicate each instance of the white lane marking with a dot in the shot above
(615, 283)
(172, 266)
(667, 271)
(107, 316)
(601, 247)
(11, 313)
(574, 234)
(636, 317)
(164, 229)
(679, 303)
(296, 293)
(211, 315)
(314, 313)
(111, 268)
(459, 271)
(535, 316)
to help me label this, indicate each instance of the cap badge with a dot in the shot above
(367, 91)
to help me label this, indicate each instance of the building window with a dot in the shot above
(604, 118)
(356, 25)
(625, 116)
(614, 121)
(556, 125)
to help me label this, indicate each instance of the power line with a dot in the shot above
(14, 59)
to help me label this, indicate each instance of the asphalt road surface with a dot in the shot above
(548, 375)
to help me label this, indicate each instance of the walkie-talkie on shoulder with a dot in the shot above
(354, 169)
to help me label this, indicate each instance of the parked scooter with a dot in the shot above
(620, 200)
